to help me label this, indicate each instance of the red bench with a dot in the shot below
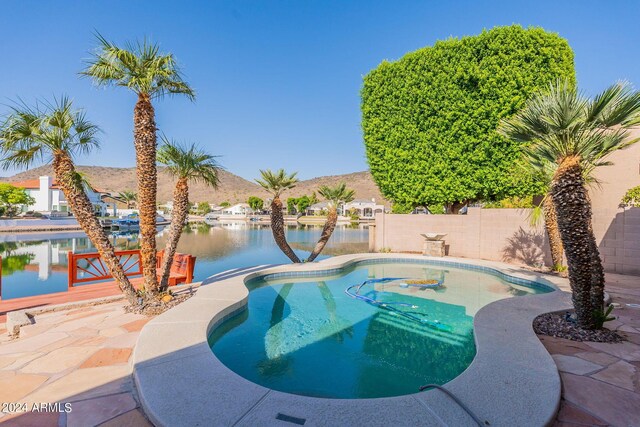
(181, 268)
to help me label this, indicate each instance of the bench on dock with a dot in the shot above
(89, 267)
(181, 269)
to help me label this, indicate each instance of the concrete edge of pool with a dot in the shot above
(512, 380)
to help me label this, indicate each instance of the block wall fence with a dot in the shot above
(506, 234)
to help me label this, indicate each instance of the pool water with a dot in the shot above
(308, 337)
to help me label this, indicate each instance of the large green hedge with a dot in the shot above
(430, 118)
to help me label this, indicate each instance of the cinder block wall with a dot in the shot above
(493, 234)
(507, 235)
(618, 234)
(616, 228)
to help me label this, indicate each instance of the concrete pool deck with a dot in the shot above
(181, 382)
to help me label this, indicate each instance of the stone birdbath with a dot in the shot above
(433, 244)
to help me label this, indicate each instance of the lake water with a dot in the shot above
(36, 263)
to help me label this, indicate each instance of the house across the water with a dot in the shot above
(363, 208)
(49, 197)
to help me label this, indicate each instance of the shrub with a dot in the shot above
(510, 203)
(429, 119)
(12, 197)
(203, 208)
(255, 203)
(632, 197)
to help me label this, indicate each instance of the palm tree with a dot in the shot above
(546, 211)
(276, 183)
(150, 74)
(185, 163)
(129, 198)
(573, 132)
(335, 196)
(57, 132)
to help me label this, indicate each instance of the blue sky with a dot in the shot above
(277, 81)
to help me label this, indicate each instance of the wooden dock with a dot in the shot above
(87, 268)
(73, 294)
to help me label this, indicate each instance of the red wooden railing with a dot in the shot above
(89, 267)
(83, 268)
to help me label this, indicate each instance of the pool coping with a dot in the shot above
(181, 382)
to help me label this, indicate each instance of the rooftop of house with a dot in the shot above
(319, 205)
(33, 184)
(363, 201)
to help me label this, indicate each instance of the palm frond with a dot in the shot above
(337, 194)
(560, 122)
(277, 182)
(189, 162)
(536, 216)
(138, 66)
(617, 105)
(30, 134)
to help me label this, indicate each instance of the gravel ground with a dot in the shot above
(556, 325)
(153, 308)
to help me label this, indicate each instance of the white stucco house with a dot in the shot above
(49, 197)
(237, 211)
(318, 208)
(364, 208)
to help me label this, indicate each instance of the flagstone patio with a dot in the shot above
(601, 382)
(82, 356)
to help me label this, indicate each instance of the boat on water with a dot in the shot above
(125, 224)
(129, 222)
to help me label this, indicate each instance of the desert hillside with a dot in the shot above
(232, 187)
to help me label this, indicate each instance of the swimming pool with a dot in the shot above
(304, 335)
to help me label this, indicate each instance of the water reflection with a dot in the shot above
(36, 263)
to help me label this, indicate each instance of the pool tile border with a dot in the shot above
(181, 382)
(423, 261)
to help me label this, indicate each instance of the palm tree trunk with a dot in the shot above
(597, 271)
(553, 233)
(83, 210)
(178, 216)
(574, 222)
(144, 135)
(597, 276)
(277, 228)
(327, 231)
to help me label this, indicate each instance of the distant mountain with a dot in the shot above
(233, 188)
